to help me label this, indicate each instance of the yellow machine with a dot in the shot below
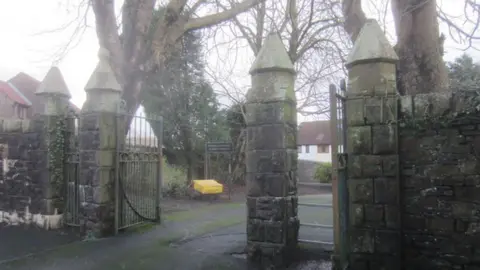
(208, 187)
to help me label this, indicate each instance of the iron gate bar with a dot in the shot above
(315, 242)
(321, 205)
(313, 225)
(138, 171)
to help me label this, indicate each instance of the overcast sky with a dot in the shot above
(25, 47)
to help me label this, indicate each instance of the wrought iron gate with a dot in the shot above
(138, 176)
(72, 171)
(338, 118)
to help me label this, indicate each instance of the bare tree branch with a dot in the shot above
(226, 15)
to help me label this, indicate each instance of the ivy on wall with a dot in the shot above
(56, 141)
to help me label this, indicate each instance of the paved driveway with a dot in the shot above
(202, 238)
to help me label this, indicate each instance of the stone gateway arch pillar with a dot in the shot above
(271, 157)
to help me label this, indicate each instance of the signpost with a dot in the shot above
(219, 148)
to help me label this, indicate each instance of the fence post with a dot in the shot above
(271, 157)
(55, 94)
(373, 184)
(98, 143)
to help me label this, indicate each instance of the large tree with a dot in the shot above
(419, 44)
(179, 92)
(143, 41)
(313, 35)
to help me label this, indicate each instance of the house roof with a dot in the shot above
(314, 133)
(13, 93)
(28, 85)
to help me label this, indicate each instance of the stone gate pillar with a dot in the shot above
(97, 149)
(372, 148)
(55, 94)
(271, 156)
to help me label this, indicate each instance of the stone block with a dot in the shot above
(390, 165)
(365, 166)
(97, 176)
(271, 113)
(98, 158)
(392, 217)
(274, 231)
(271, 137)
(362, 241)
(271, 161)
(102, 194)
(374, 215)
(380, 110)
(384, 138)
(359, 140)
(464, 210)
(361, 190)
(255, 230)
(270, 208)
(357, 215)
(386, 190)
(437, 224)
(371, 166)
(272, 87)
(267, 184)
(387, 242)
(355, 112)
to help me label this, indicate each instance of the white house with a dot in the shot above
(314, 141)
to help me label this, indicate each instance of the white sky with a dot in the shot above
(23, 49)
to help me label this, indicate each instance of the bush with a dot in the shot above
(174, 181)
(323, 173)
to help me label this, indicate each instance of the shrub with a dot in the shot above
(323, 173)
(174, 180)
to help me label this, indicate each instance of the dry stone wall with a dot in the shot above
(439, 146)
(26, 196)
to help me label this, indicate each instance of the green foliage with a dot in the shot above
(323, 173)
(56, 153)
(464, 74)
(236, 125)
(174, 180)
(180, 93)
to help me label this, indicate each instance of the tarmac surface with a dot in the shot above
(211, 236)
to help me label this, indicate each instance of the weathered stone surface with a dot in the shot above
(271, 158)
(384, 138)
(371, 45)
(267, 137)
(362, 241)
(271, 113)
(359, 140)
(271, 161)
(361, 190)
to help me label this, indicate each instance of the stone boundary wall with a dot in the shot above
(26, 196)
(439, 143)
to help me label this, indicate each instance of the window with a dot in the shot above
(322, 149)
(307, 148)
(299, 149)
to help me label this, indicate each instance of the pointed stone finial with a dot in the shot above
(272, 56)
(371, 45)
(103, 77)
(53, 84)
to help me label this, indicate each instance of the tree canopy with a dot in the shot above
(180, 93)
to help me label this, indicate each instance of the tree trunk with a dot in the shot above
(421, 68)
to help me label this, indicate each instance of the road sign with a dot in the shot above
(219, 147)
